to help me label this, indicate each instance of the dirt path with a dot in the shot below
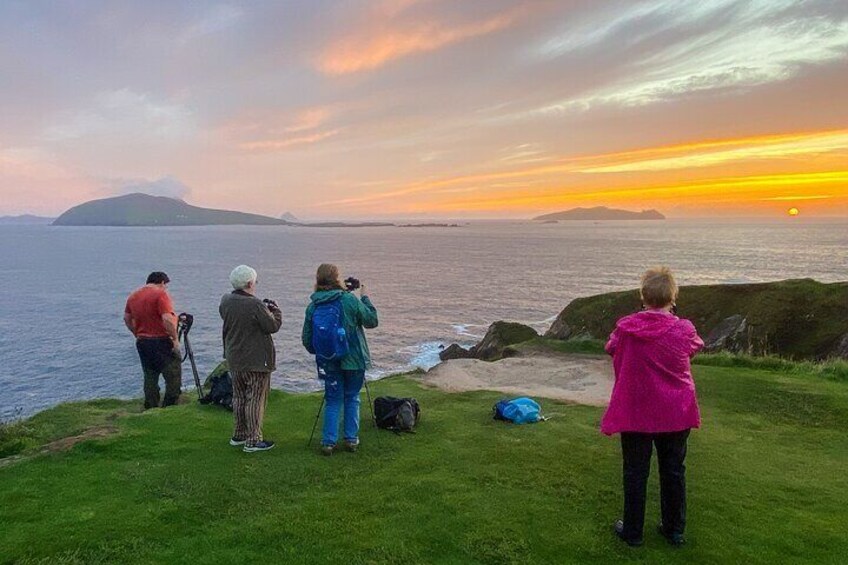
(583, 379)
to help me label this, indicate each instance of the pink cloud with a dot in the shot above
(286, 143)
(32, 181)
(367, 50)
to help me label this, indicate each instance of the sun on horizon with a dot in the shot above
(793, 211)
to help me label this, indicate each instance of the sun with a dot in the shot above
(793, 211)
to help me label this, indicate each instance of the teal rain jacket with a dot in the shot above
(358, 314)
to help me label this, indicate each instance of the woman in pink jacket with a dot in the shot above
(653, 403)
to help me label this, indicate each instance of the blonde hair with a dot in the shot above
(659, 289)
(327, 278)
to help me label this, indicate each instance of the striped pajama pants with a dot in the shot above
(250, 394)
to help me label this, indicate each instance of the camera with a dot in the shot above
(351, 284)
(270, 304)
(184, 322)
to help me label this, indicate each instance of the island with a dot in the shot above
(25, 220)
(600, 213)
(145, 210)
(139, 209)
(431, 225)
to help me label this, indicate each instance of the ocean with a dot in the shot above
(62, 336)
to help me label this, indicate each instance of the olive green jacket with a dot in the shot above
(248, 325)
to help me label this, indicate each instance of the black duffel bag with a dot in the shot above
(396, 414)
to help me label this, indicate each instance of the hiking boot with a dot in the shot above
(263, 445)
(675, 539)
(619, 531)
(236, 442)
(351, 446)
(327, 449)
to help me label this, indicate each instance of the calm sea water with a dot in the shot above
(63, 289)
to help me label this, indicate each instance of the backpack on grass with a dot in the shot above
(521, 410)
(329, 338)
(220, 390)
(396, 414)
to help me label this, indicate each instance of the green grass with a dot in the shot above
(23, 436)
(836, 369)
(766, 474)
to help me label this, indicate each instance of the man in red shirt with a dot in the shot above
(149, 315)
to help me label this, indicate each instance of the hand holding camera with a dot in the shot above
(353, 284)
(270, 304)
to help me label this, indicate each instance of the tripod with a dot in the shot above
(184, 323)
(321, 376)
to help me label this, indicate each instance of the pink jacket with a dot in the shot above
(653, 391)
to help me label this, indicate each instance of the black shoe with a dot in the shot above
(674, 539)
(619, 531)
(263, 445)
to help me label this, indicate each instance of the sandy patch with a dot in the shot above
(575, 378)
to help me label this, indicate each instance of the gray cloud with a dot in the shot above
(166, 186)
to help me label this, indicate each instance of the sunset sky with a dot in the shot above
(428, 108)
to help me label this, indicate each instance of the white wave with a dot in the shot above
(464, 330)
(423, 355)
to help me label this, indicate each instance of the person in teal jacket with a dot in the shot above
(342, 382)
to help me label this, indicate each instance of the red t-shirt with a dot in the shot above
(146, 306)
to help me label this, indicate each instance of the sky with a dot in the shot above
(427, 108)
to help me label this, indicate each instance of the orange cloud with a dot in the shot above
(285, 143)
(766, 161)
(310, 118)
(733, 190)
(368, 50)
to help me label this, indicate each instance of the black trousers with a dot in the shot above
(636, 449)
(159, 358)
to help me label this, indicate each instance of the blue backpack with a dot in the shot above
(329, 338)
(518, 411)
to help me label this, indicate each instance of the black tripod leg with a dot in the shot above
(370, 404)
(190, 354)
(315, 425)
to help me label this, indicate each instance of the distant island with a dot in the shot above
(600, 213)
(429, 225)
(145, 210)
(25, 220)
(346, 225)
(290, 218)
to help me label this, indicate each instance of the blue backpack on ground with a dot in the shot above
(518, 411)
(329, 338)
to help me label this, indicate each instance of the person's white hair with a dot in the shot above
(242, 276)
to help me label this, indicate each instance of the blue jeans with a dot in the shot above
(342, 387)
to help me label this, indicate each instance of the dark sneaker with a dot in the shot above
(263, 445)
(236, 442)
(327, 449)
(619, 531)
(351, 446)
(674, 539)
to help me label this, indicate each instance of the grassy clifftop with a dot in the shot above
(163, 486)
(799, 319)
